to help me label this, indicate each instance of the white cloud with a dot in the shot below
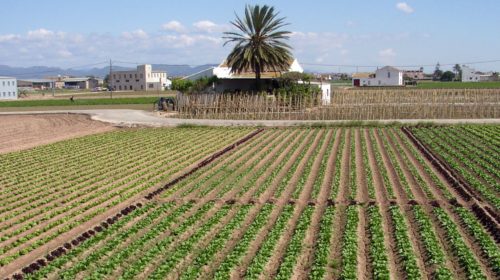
(174, 26)
(387, 53)
(40, 34)
(209, 26)
(404, 7)
(139, 34)
(8, 37)
(64, 53)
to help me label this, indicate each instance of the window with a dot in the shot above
(151, 85)
(3, 83)
(142, 87)
(149, 75)
(8, 83)
(114, 76)
(120, 87)
(130, 87)
(141, 76)
(135, 75)
(130, 76)
(389, 75)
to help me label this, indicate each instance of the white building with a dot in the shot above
(144, 78)
(471, 75)
(245, 81)
(8, 88)
(385, 76)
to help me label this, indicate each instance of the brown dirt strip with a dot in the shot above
(333, 268)
(363, 250)
(343, 192)
(382, 200)
(362, 192)
(19, 132)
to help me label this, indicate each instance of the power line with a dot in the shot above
(402, 66)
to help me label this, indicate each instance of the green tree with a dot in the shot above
(447, 76)
(458, 71)
(181, 85)
(259, 42)
(437, 73)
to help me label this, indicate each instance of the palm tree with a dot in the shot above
(260, 45)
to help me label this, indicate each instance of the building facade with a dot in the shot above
(31, 84)
(143, 78)
(8, 88)
(471, 75)
(415, 74)
(80, 83)
(383, 77)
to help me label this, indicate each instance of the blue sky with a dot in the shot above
(367, 33)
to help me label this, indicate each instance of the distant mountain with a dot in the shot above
(44, 71)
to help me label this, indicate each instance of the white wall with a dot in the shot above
(8, 88)
(386, 76)
(469, 75)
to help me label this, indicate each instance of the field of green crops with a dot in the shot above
(296, 203)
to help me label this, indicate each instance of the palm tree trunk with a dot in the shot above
(257, 78)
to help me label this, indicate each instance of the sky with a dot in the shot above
(327, 36)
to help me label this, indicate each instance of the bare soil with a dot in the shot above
(19, 132)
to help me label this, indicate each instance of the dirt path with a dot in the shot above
(362, 193)
(343, 193)
(18, 132)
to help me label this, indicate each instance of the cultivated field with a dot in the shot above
(317, 203)
(52, 193)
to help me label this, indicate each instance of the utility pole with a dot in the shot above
(110, 84)
(159, 86)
